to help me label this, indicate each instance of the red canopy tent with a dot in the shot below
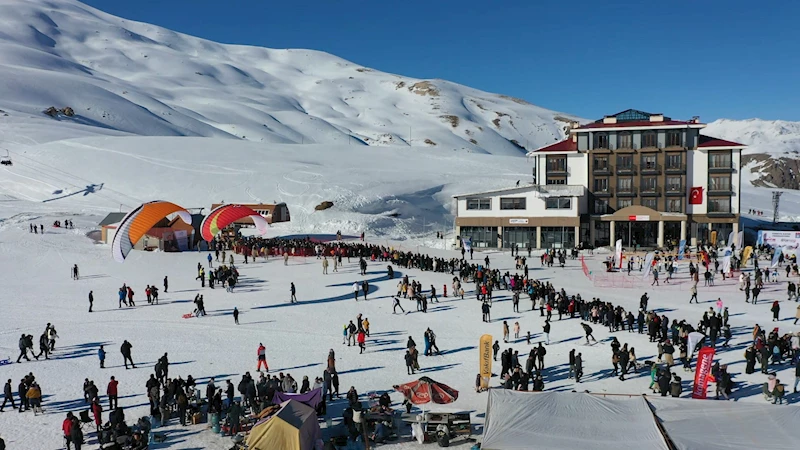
(426, 390)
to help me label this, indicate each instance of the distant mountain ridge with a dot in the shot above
(126, 77)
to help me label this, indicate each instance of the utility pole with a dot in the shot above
(776, 201)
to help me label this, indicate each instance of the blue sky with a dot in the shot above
(712, 58)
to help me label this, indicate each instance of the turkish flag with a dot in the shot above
(696, 196)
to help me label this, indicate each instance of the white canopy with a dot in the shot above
(564, 420)
(712, 425)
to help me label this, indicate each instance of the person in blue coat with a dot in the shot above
(209, 258)
(101, 355)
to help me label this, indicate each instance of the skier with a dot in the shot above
(365, 288)
(91, 300)
(588, 330)
(356, 289)
(75, 272)
(236, 315)
(292, 289)
(101, 355)
(166, 284)
(125, 349)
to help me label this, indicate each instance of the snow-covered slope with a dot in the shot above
(394, 192)
(771, 160)
(136, 78)
(773, 137)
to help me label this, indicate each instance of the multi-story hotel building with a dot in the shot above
(640, 177)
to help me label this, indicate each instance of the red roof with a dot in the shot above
(567, 145)
(708, 141)
(636, 124)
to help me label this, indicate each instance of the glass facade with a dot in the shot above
(558, 237)
(482, 237)
(639, 234)
(602, 233)
(521, 236)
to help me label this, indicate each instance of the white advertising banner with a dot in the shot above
(618, 253)
(790, 239)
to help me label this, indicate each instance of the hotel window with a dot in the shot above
(601, 162)
(650, 202)
(624, 203)
(624, 162)
(601, 184)
(674, 160)
(556, 180)
(512, 203)
(649, 184)
(719, 160)
(674, 184)
(648, 162)
(479, 203)
(601, 140)
(675, 138)
(556, 163)
(558, 203)
(719, 183)
(625, 140)
(601, 206)
(719, 205)
(675, 205)
(625, 184)
(648, 139)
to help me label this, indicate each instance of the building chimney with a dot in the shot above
(656, 117)
(609, 119)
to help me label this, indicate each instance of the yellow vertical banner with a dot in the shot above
(746, 255)
(485, 361)
(713, 237)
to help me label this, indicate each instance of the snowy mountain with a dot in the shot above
(125, 77)
(772, 157)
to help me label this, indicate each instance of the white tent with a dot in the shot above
(565, 420)
(712, 425)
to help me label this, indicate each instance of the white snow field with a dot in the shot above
(38, 290)
(161, 115)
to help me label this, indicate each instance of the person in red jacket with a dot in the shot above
(262, 358)
(362, 339)
(112, 394)
(66, 429)
(97, 410)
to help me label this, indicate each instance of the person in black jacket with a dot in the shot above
(23, 348)
(409, 362)
(8, 395)
(91, 300)
(540, 352)
(125, 349)
(588, 330)
(495, 349)
(22, 391)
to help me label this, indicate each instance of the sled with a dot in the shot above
(5, 362)
(188, 316)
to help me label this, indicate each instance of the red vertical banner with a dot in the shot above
(702, 374)
(584, 267)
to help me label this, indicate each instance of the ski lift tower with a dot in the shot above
(776, 201)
